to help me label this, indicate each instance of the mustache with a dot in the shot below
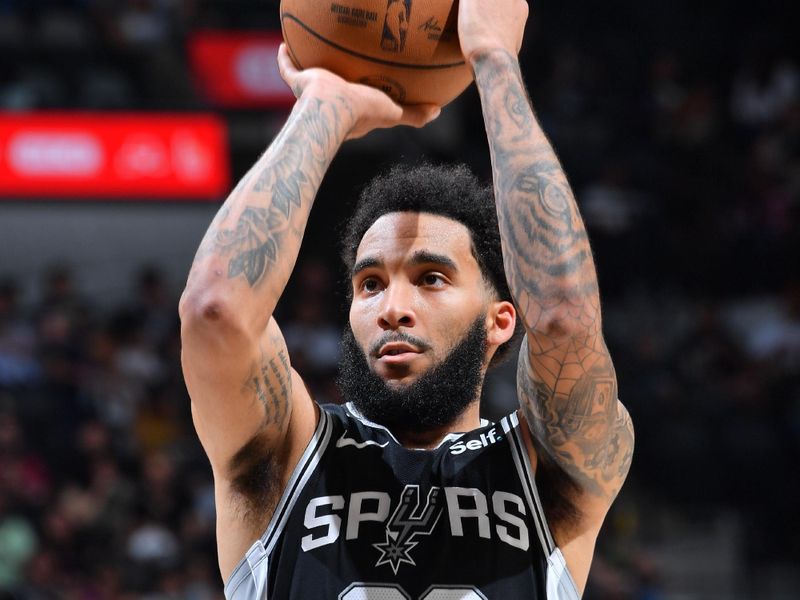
(397, 336)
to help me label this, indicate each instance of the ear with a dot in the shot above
(501, 318)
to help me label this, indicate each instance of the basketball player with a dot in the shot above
(405, 493)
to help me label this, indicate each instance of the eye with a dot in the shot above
(370, 285)
(433, 279)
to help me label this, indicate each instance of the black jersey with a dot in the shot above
(364, 518)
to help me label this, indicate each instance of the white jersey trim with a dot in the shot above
(450, 437)
(259, 552)
(249, 583)
(529, 482)
(523, 463)
(560, 585)
(508, 429)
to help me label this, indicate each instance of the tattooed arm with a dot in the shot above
(581, 435)
(251, 410)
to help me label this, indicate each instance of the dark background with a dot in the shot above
(677, 123)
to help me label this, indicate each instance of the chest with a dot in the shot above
(375, 507)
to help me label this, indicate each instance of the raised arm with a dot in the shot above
(251, 410)
(581, 434)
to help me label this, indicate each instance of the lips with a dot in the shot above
(396, 349)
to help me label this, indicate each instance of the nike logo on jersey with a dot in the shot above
(348, 441)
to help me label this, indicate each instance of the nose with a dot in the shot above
(397, 309)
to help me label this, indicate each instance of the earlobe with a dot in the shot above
(502, 317)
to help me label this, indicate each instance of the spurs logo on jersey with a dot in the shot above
(406, 523)
(468, 510)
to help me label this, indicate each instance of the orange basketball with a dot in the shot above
(407, 48)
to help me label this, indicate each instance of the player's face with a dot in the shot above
(417, 289)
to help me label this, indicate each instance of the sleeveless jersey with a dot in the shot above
(364, 518)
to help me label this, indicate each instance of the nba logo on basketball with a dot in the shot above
(395, 26)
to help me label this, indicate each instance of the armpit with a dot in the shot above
(559, 494)
(254, 475)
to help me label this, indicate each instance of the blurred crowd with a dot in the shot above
(104, 490)
(109, 54)
(680, 135)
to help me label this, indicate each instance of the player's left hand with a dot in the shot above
(490, 25)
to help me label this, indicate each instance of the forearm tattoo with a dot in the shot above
(264, 232)
(566, 380)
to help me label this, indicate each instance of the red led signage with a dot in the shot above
(238, 69)
(86, 155)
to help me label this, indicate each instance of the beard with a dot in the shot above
(435, 399)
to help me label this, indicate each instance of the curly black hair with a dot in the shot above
(451, 191)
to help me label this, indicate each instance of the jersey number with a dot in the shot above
(377, 591)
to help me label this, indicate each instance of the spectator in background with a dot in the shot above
(764, 89)
(310, 330)
(18, 364)
(18, 539)
(154, 306)
(667, 93)
(24, 476)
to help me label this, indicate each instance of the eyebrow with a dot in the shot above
(420, 257)
(423, 257)
(365, 263)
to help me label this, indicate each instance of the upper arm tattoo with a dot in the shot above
(566, 380)
(581, 426)
(254, 469)
(270, 383)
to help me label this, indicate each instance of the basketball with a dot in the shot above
(407, 48)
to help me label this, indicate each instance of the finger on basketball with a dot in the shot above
(419, 115)
(286, 67)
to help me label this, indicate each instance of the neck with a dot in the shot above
(468, 420)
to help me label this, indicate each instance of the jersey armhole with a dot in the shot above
(262, 548)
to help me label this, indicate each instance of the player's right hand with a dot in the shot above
(365, 108)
